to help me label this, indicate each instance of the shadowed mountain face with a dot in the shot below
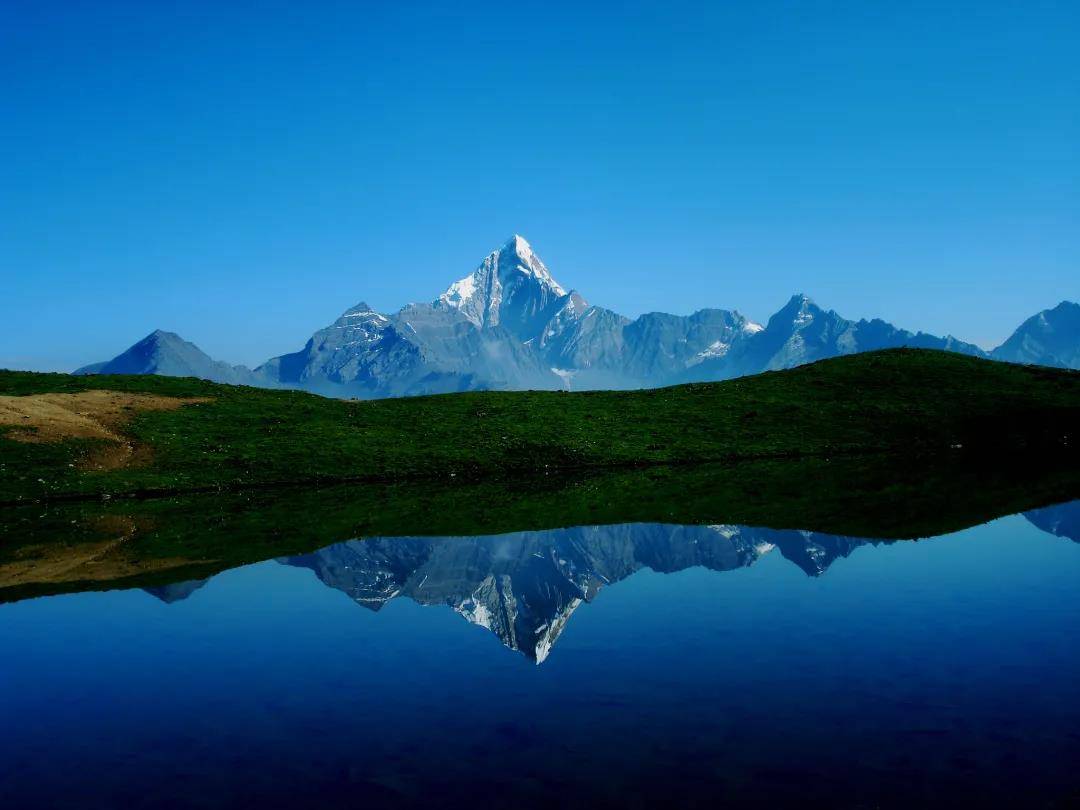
(510, 325)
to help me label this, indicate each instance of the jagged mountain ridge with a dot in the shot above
(510, 325)
(802, 332)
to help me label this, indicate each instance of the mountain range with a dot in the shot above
(524, 586)
(510, 325)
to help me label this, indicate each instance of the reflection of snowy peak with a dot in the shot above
(523, 587)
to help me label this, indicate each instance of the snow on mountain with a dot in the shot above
(511, 288)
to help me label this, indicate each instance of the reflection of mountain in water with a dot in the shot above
(176, 591)
(1062, 520)
(524, 586)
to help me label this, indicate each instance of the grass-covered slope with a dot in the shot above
(900, 401)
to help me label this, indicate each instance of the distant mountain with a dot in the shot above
(1051, 338)
(802, 332)
(510, 325)
(169, 355)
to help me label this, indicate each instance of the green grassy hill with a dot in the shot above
(898, 401)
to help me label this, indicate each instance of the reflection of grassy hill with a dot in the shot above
(900, 401)
(128, 543)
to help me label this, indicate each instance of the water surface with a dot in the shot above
(630, 663)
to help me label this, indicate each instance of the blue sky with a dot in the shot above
(240, 173)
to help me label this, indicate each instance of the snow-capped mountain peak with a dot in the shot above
(511, 287)
(498, 268)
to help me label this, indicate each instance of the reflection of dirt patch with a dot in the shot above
(113, 555)
(86, 415)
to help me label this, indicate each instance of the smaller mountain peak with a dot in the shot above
(361, 315)
(799, 304)
(798, 312)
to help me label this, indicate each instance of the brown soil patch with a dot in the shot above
(86, 415)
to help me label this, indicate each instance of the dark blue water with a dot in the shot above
(561, 668)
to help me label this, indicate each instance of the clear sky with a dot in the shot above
(241, 173)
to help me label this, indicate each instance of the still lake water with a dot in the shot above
(630, 665)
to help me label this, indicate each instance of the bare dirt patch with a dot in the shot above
(86, 415)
